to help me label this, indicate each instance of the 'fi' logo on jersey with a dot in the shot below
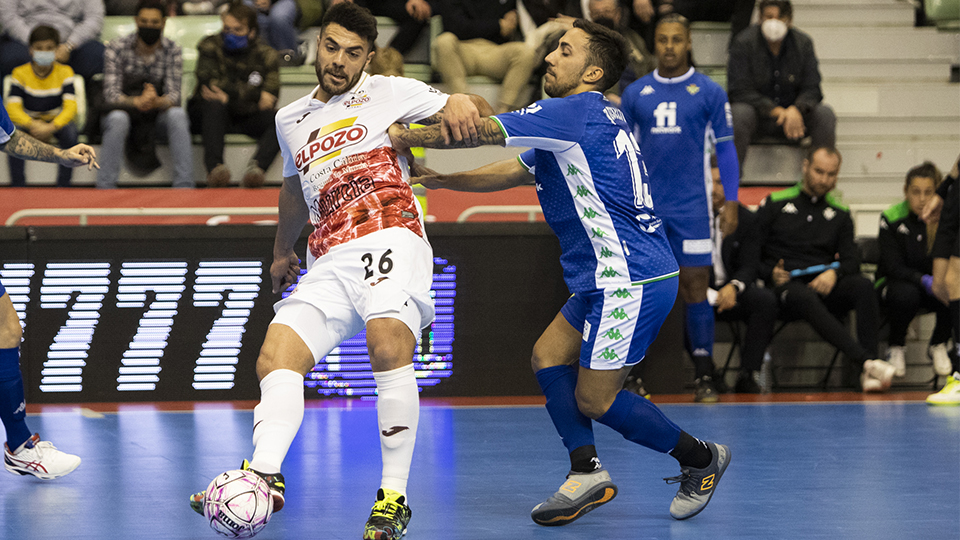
(327, 142)
(666, 115)
(693, 89)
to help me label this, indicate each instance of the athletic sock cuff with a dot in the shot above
(280, 376)
(394, 377)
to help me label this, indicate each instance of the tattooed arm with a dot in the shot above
(488, 133)
(25, 147)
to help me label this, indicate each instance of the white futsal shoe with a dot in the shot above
(39, 458)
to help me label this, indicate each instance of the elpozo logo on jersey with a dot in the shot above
(356, 102)
(328, 142)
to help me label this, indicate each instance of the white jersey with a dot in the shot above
(353, 181)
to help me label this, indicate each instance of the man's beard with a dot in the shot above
(557, 88)
(332, 90)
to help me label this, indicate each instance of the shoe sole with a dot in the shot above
(716, 482)
(555, 518)
(15, 470)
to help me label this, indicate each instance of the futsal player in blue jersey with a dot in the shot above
(677, 114)
(593, 189)
(24, 453)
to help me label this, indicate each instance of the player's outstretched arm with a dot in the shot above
(494, 177)
(24, 146)
(401, 138)
(294, 216)
(482, 106)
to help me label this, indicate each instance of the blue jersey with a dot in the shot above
(6, 125)
(593, 190)
(677, 121)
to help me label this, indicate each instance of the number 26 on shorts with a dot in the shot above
(385, 265)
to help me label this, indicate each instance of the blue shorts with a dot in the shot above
(618, 324)
(690, 239)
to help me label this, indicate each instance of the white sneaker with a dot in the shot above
(949, 394)
(39, 458)
(895, 356)
(941, 360)
(877, 375)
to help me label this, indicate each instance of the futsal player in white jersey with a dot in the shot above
(24, 453)
(617, 262)
(369, 263)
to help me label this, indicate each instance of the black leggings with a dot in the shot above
(903, 301)
(798, 301)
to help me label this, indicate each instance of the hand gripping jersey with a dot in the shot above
(354, 183)
(677, 121)
(593, 189)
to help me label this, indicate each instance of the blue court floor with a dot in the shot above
(870, 470)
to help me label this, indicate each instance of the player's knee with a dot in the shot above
(592, 407)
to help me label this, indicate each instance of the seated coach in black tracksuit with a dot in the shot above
(807, 254)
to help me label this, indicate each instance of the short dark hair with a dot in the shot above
(785, 7)
(353, 18)
(924, 170)
(675, 18)
(152, 4)
(244, 14)
(44, 33)
(832, 150)
(607, 50)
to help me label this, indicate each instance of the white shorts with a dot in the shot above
(385, 274)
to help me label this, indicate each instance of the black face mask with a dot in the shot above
(149, 35)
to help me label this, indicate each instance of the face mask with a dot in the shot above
(773, 29)
(149, 35)
(233, 42)
(44, 58)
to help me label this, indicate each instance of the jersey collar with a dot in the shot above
(675, 80)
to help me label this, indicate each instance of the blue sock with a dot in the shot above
(700, 323)
(640, 421)
(13, 409)
(559, 384)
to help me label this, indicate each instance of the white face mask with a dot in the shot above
(773, 29)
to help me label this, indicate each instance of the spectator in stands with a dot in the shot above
(387, 62)
(202, 7)
(738, 297)
(114, 8)
(142, 81)
(238, 82)
(478, 39)
(79, 23)
(737, 12)
(411, 16)
(773, 80)
(614, 15)
(41, 101)
(804, 238)
(277, 20)
(905, 273)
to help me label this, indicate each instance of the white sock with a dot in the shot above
(276, 419)
(398, 414)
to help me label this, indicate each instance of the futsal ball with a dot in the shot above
(238, 504)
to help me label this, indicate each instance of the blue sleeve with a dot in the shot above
(729, 169)
(528, 160)
(551, 124)
(6, 125)
(721, 118)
